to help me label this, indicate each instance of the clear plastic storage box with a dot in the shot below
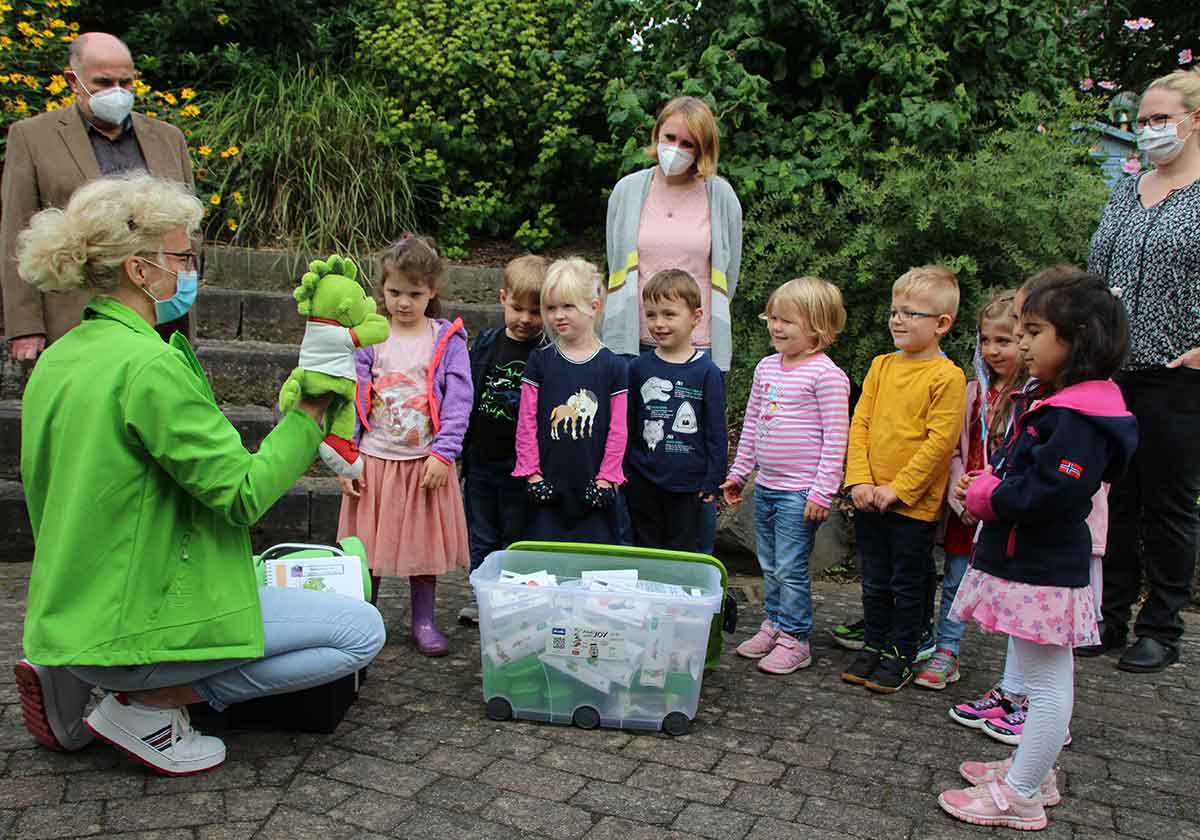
(595, 639)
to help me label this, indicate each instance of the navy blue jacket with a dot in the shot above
(1034, 507)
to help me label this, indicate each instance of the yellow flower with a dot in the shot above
(187, 94)
(53, 104)
(237, 198)
(222, 19)
(28, 12)
(170, 98)
(37, 42)
(140, 87)
(32, 83)
(73, 26)
(231, 224)
(49, 33)
(189, 111)
(232, 151)
(3, 80)
(57, 85)
(152, 114)
(204, 151)
(57, 23)
(5, 7)
(5, 41)
(214, 199)
(25, 29)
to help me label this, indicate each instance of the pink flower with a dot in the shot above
(1145, 23)
(1086, 84)
(1185, 56)
(1132, 166)
(1133, 24)
(1107, 85)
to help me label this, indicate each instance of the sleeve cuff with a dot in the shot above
(979, 497)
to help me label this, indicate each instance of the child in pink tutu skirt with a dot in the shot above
(1030, 577)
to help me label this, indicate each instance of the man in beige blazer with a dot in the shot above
(52, 154)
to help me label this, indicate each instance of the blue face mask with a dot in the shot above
(187, 283)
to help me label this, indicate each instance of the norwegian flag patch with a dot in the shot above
(1070, 468)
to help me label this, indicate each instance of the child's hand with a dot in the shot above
(707, 497)
(964, 481)
(600, 482)
(885, 497)
(813, 512)
(350, 486)
(969, 519)
(732, 491)
(863, 496)
(435, 475)
(536, 478)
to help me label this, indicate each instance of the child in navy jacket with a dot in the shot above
(1031, 572)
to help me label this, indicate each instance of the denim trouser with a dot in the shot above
(497, 508)
(784, 543)
(311, 638)
(950, 633)
(897, 563)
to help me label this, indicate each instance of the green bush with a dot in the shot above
(1029, 197)
(496, 104)
(296, 160)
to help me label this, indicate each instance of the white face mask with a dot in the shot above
(1162, 145)
(674, 160)
(111, 105)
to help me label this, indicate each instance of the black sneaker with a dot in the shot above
(894, 672)
(850, 636)
(862, 667)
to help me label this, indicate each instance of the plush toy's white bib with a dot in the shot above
(328, 348)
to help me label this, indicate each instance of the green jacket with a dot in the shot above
(140, 494)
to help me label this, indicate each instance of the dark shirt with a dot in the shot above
(676, 416)
(115, 156)
(494, 421)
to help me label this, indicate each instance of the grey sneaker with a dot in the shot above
(469, 614)
(52, 703)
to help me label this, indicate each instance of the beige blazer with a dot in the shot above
(47, 158)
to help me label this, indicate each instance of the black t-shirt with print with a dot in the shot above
(494, 422)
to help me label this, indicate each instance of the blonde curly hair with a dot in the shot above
(105, 222)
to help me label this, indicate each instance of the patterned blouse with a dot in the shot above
(1151, 259)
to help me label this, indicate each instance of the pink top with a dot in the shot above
(401, 425)
(676, 232)
(796, 427)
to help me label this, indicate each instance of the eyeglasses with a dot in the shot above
(1157, 121)
(906, 315)
(189, 257)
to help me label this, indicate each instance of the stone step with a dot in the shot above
(252, 315)
(279, 271)
(306, 513)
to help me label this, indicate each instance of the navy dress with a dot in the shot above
(574, 415)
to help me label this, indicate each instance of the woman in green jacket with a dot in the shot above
(140, 494)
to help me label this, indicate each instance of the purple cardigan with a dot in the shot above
(451, 394)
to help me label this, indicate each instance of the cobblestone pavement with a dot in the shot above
(804, 756)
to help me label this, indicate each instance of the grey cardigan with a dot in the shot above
(622, 309)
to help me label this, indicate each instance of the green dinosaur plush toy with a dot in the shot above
(342, 318)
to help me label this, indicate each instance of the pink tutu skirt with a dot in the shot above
(1048, 615)
(406, 530)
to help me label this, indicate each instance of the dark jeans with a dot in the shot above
(897, 567)
(497, 507)
(1153, 520)
(662, 519)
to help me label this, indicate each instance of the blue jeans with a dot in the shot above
(784, 542)
(311, 638)
(497, 508)
(950, 633)
(897, 564)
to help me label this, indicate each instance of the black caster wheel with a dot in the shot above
(586, 717)
(676, 723)
(499, 709)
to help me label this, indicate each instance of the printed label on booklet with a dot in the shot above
(585, 642)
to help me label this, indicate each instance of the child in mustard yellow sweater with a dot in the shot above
(902, 437)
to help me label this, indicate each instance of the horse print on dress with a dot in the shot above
(575, 416)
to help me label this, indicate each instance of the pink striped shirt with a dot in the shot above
(796, 426)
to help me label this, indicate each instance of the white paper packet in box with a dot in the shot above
(621, 580)
(660, 635)
(519, 642)
(579, 669)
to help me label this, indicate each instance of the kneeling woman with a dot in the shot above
(140, 494)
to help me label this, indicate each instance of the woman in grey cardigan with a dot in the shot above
(676, 214)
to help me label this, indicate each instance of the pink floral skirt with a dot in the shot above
(1049, 615)
(406, 530)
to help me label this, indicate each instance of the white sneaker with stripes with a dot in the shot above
(162, 739)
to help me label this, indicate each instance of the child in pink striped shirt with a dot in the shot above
(795, 430)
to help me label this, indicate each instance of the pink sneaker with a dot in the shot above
(789, 654)
(992, 705)
(994, 803)
(760, 644)
(982, 772)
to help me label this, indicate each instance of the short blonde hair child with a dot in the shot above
(817, 301)
(574, 280)
(107, 221)
(703, 126)
(673, 283)
(524, 276)
(936, 283)
(1184, 82)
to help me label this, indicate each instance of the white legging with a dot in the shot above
(1049, 677)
